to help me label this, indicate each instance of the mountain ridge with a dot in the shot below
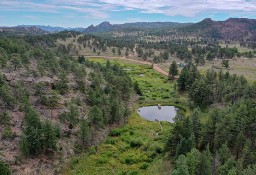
(232, 28)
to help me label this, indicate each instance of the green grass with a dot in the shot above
(134, 148)
(155, 87)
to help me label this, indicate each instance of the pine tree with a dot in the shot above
(204, 165)
(173, 70)
(84, 132)
(37, 136)
(181, 166)
(193, 161)
(96, 117)
(49, 138)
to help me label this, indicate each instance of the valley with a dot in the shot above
(70, 99)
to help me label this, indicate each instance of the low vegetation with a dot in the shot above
(131, 149)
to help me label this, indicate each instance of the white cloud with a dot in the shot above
(186, 8)
(102, 9)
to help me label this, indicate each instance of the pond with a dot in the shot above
(158, 113)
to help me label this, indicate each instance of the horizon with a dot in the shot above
(83, 13)
(35, 25)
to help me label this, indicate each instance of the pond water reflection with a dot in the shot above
(159, 113)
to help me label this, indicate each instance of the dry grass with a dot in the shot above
(237, 45)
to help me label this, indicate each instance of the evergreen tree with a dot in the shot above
(181, 167)
(5, 118)
(84, 132)
(37, 136)
(48, 136)
(137, 88)
(173, 70)
(96, 117)
(193, 161)
(31, 139)
(200, 93)
(204, 165)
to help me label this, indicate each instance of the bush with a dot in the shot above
(74, 162)
(141, 98)
(156, 148)
(131, 159)
(92, 150)
(133, 173)
(136, 143)
(4, 169)
(115, 132)
(144, 166)
(110, 141)
(7, 133)
(102, 160)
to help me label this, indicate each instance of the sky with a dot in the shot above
(82, 13)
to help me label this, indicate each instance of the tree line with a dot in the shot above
(214, 140)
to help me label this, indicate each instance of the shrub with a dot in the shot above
(156, 148)
(141, 98)
(133, 173)
(4, 169)
(144, 166)
(115, 132)
(130, 159)
(7, 133)
(74, 162)
(131, 132)
(92, 150)
(102, 160)
(110, 141)
(136, 143)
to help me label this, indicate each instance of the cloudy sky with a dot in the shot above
(82, 13)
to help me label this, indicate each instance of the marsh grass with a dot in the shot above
(138, 146)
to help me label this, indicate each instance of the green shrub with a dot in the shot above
(102, 160)
(4, 169)
(136, 143)
(141, 98)
(92, 150)
(152, 154)
(166, 97)
(74, 162)
(157, 148)
(7, 133)
(115, 132)
(5, 118)
(130, 159)
(110, 141)
(133, 173)
(144, 166)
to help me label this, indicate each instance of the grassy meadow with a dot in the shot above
(137, 147)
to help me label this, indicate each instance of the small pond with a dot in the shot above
(160, 113)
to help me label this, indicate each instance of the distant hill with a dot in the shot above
(232, 28)
(52, 29)
(20, 30)
(107, 27)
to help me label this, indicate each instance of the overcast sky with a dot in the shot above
(82, 13)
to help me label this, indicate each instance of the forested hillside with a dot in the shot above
(218, 137)
(53, 105)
